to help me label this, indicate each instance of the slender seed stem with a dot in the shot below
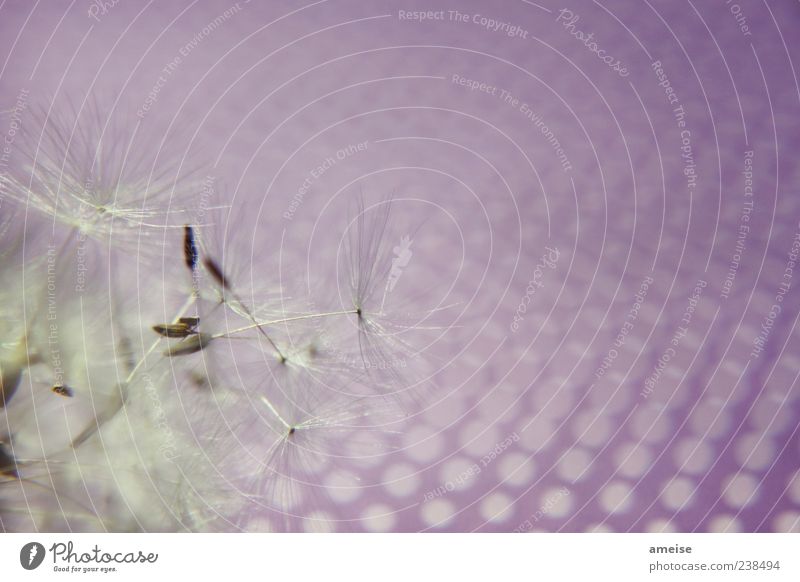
(266, 401)
(284, 320)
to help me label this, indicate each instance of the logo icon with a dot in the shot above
(31, 555)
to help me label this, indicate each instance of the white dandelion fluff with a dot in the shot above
(157, 373)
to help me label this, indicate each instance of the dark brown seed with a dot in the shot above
(188, 346)
(215, 272)
(190, 322)
(63, 390)
(199, 380)
(173, 330)
(189, 248)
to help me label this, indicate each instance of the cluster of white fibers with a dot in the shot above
(156, 374)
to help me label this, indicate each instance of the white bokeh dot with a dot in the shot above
(793, 489)
(423, 443)
(692, 455)
(496, 507)
(660, 525)
(710, 419)
(555, 502)
(771, 412)
(401, 480)
(459, 473)
(616, 497)
(378, 518)
(446, 412)
(787, 522)
(478, 438)
(343, 486)
(754, 451)
(740, 490)
(592, 429)
(515, 469)
(500, 404)
(575, 465)
(650, 424)
(437, 513)
(632, 459)
(725, 523)
(537, 433)
(677, 494)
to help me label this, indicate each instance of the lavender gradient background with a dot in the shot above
(279, 86)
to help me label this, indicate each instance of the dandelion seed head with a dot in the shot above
(84, 168)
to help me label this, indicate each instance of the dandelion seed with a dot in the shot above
(190, 253)
(216, 272)
(82, 167)
(367, 257)
(174, 330)
(63, 390)
(192, 321)
(265, 438)
(190, 345)
(199, 380)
